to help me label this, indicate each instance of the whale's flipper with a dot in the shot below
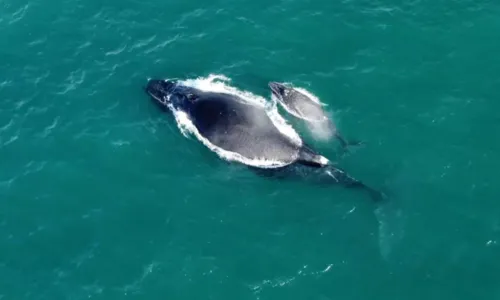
(342, 178)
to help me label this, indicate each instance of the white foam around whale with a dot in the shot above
(219, 83)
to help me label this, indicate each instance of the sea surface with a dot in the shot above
(103, 196)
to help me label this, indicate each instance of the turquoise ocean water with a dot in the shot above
(102, 196)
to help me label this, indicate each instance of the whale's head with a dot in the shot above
(172, 94)
(160, 90)
(279, 90)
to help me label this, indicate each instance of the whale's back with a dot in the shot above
(243, 128)
(303, 107)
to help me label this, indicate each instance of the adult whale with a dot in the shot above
(303, 107)
(232, 125)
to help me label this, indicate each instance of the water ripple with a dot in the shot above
(195, 14)
(19, 14)
(142, 43)
(284, 281)
(8, 141)
(135, 286)
(116, 51)
(85, 256)
(381, 10)
(7, 126)
(5, 84)
(162, 44)
(74, 80)
(48, 130)
(34, 167)
(87, 132)
(84, 45)
(6, 184)
(38, 41)
(37, 79)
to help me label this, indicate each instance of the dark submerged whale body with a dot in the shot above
(231, 124)
(303, 107)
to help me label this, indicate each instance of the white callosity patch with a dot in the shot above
(218, 83)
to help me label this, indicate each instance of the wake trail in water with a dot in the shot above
(219, 84)
(390, 229)
(391, 216)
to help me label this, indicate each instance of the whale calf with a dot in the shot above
(302, 106)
